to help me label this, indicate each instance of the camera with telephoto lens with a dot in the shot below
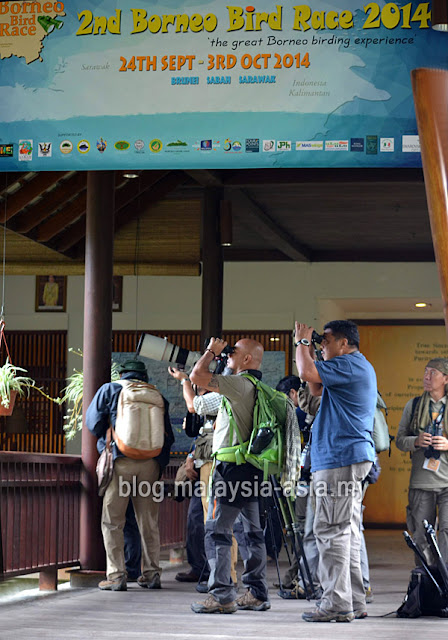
(316, 337)
(160, 349)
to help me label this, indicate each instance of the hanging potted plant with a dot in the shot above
(73, 395)
(11, 385)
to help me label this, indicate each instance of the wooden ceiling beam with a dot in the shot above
(294, 176)
(42, 210)
(8, 178)
(75, 209)
(140, 206)
(206, 178)
(36, 187)
(268, 228)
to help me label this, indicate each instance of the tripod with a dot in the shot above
(291, 533)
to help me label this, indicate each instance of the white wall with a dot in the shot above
(256, 296)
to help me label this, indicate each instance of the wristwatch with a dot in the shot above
(303, 341)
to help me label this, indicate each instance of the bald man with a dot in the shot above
(235, 488)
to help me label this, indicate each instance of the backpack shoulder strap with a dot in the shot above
(414, 406)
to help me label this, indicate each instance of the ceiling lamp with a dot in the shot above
(439, 15)
(422, 305)
(130, 174)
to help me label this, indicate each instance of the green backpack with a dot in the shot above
(269, 419)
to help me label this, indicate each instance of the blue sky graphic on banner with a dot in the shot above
(183, 84)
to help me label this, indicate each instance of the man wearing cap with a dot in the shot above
(101, 414)
(423, 431)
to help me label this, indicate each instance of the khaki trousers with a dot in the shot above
(136, 479)
(337, 527)
(204, 476)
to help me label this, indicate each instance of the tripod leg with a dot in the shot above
(295, 537)
(268, 516)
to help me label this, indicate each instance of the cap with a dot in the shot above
(441, 364)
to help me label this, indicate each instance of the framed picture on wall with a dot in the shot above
(117, 295)
(51, 293)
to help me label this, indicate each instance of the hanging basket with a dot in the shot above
(7, 411)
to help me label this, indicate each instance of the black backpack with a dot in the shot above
(423, 598)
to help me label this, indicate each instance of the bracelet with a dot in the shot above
(214, 354)
(184, 380)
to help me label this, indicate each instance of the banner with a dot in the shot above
(202, 84)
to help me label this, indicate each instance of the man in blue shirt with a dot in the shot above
(342, 453)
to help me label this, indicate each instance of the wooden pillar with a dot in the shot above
(97, 349)
(430, 88)
(212, 266)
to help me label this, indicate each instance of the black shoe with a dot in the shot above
(189, 576)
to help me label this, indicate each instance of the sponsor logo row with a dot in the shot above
(370, 145)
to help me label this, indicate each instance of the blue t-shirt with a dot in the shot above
(342, 430)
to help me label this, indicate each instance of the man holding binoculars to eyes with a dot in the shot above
(342, 453)
(229, 497)
(423, 431)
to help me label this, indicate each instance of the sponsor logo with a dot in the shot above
(268, 145)
(206, 145)
(66, 147)
(156, 145)
(336, 145)
(411, 144)
(83, 146)
(357, 144)
(25, 150)
(387, 145)
(236, 146)
(6, 150)
(44, 149)
(101, 145)
(178, 146)
(371, 145)
(309, 145)
(252, 145)
(139, 145)
(284, 145)
(122, 145)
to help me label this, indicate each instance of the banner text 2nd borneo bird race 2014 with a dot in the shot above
(201, 84)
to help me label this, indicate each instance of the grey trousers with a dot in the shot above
(218, 542)
(427, 505)
(337, 530)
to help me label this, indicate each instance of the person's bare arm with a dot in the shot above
(201, 376)
(304, 360)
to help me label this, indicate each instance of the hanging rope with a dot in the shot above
(2, 311)
(136, 258)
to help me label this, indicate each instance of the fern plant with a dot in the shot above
(72, 394)
(10, 381)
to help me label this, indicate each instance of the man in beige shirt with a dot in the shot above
(423, 431)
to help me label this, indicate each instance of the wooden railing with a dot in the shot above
(39, 513)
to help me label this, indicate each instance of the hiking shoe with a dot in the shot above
(320, 615)
(152, 583)
(360, 614)
(210, 605)
(249, 601)
(189, 576)
(369, 595)
(119, 584)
